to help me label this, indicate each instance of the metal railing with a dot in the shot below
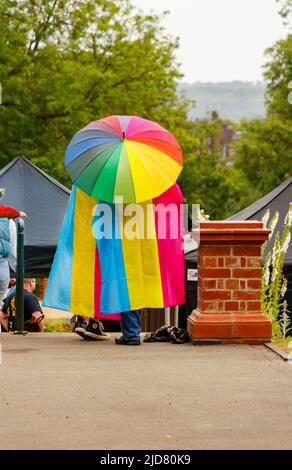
(19, 317)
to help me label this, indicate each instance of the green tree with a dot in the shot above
(278, 75)
(65, 63)
(285, 10)
(206, 179)
(264, 152)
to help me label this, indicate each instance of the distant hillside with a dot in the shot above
(232, 100)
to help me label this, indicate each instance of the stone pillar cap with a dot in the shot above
(231, 231)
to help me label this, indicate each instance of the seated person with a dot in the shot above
(32, 308)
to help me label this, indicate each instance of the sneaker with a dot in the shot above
(130, 342)
(96, 331)
(81, 326)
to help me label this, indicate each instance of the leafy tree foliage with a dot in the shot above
(285, 10)
(278, 75)
(206, 179)
(264, 152)
(65, 63)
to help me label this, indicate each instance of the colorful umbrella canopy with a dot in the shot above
(124, 156)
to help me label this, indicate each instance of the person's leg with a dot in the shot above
(4, 281)
(131, 328)
(4, 322)
(4, 278)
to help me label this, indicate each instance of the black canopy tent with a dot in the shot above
(44, 200)
(276, 200)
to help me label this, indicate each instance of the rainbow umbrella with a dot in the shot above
(123, 156)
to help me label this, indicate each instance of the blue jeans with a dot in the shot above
(131, 324)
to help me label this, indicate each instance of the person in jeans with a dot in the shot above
(131, 328)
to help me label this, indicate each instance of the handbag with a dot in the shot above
(33, 325)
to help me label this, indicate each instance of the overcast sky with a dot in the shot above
(220, 40)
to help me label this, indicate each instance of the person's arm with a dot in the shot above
(35, 316)
(34, 309)
(10, 212)
(12, 257)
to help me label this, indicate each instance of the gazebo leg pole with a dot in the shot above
(176, 316)
(167, 316)
(19, 317)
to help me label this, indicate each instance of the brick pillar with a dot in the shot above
(229, 283)
(43, 286)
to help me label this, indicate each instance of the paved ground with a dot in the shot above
(60, 392)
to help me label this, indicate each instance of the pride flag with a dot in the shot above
(102, 276)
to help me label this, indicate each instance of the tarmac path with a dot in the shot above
(61, 392)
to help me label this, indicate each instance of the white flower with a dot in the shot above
(274, 274)
(288, 218)
(266, 218)
(267, 273)
(286, 243)
(202, 215)
(283, 290)
(273, 223)
(274, 253)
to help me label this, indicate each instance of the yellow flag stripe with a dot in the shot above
(84, 247)
(141, 257)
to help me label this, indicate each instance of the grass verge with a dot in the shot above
(58, 325)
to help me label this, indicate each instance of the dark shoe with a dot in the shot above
(80, 326)
(81, 322)
(96, 331)
(80, 331)
(130, 342)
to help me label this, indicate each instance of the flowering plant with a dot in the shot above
(274, 283)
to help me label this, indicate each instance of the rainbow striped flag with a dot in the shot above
(101, 277)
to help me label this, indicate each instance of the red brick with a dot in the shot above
(232, 262)
(209, 262)
(254, 284)
(209, 284)
(220, 284)
(207, 306)
(251, 306)
(215, 250)
(221, 262)
(217, 273)
(231, 306)
(232, 284)
(243, 262)
(247, 273)
(242, 306)
(253, 262)
(245, 295)
(220, 306)
(242, 284)
(216, 295)
(247, 251)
